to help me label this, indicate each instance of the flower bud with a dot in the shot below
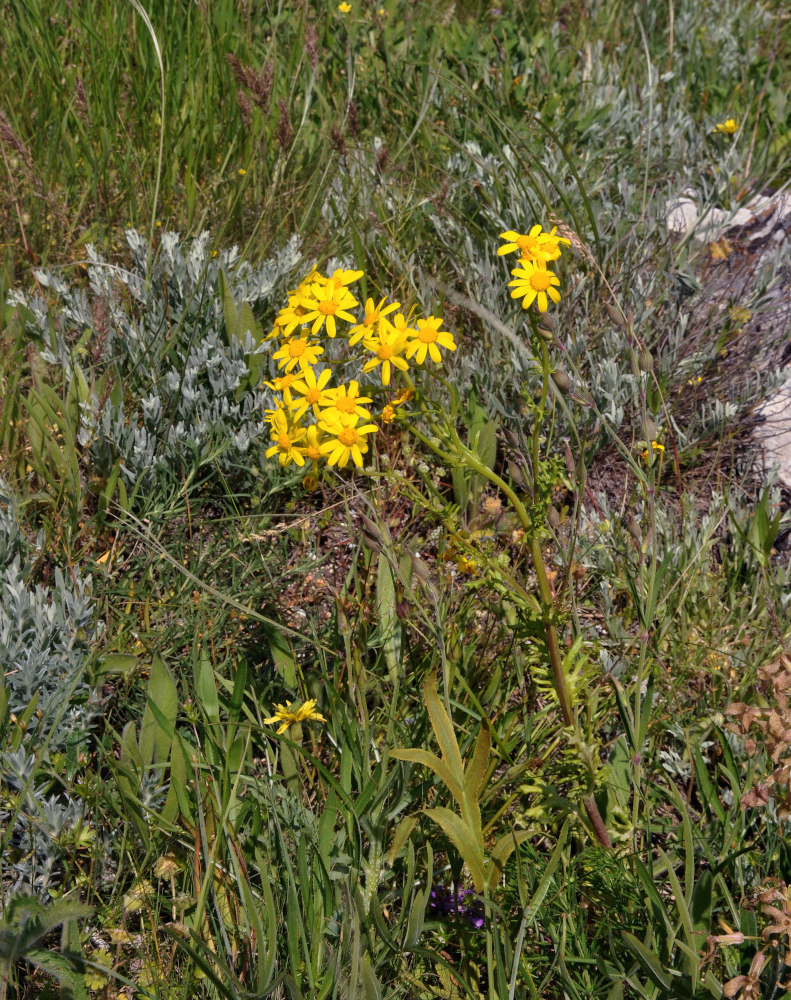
(562, 381)
(552, 516)
(545, 334)
(645, 360)
(616, 314)
(548, 322)
(516, 474)
(510, 437)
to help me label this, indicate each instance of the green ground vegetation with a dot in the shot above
(504, 713)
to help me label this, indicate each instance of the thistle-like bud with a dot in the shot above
(516, 474)
(510, 437)
(571, 465)
(562, 381)
(616, 314)
(548, 322)
(376, 537)
(553, 516)
(545, 334)
(645, 360)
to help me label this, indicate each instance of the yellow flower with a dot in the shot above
(346, 402)
(373, 314)
(728, 127)
(537, 245)
(298, 351)
(340, 277)
(286, 436)
(425, 339)
(241, 171)
(289, 317)
(656, 447)
(325, 303)
(465, 565)
(344, 8)
(346, 439)
(283, 384)
(388, 344)
(534, 282)
(286, 717)
(388, 413)
(312, 391)
(312, 446)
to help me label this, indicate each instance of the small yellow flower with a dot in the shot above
(388, 344)
(325, 303)
(286, 717)
(344, 8)
(241, 171)
(373, 314)
(312, 391)
(728, 127)
(426, 338)
(534, 282)
(465, 565)
(346, 440)
(299, 351)
(346, 402)
(656, 447)
(283, 384)
(287, 437)
(388, 413)
(536, 246)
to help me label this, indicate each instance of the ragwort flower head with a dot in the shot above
(373, 315)
(388, 344)
(298, 351)
(324, 304)
(312, 392)
(285, 716)
(346, 401)
(534, 283)
(536, 245)
(287, 437)
(346, 440)
(728, 127)
(425, 339)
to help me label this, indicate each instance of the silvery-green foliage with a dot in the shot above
(173, 398)
(45, 634)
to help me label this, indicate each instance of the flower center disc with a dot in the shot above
(346, 404)
(385, 352)
(348, 436)
(540, 281)
(297, 347)
(328, 306)
(284, 442)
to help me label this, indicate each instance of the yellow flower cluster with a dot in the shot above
(728, 127)
(533, 281)
(313, 419)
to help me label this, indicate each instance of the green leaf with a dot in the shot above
(463, 839)
(389, 622)
(118, 663)
(648, 962)
(476, 769)
(159, 718)
(233, 327)
(402, 835)
(439, 767)
(443, 729)
(371, 987)
(500, 853)
(708, 793)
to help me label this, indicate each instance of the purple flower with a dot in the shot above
(461, 904)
